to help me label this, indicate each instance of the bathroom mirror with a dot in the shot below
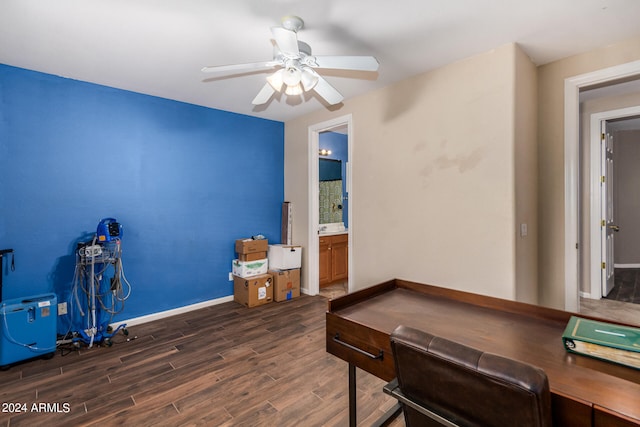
(332, 170)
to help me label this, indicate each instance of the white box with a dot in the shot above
(249, 268)
(284, 257)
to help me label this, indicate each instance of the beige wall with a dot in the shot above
(551, 216)
(433, 176)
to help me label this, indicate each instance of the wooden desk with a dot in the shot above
(585, 391)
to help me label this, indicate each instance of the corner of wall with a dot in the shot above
(525, 178)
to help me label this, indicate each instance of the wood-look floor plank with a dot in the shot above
(308, 411)
(259, 414)
(148, 415)
(206, 413)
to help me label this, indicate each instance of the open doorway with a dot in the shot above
(573, 251)
(612, 182)
(615, 207)
(330, 206)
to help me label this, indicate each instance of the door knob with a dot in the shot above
(614, 228)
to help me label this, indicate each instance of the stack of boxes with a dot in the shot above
(263, 273)
(252, 284)
(284, 266)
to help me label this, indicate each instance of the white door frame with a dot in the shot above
(595, 215)
(572, 86)
(314, 202)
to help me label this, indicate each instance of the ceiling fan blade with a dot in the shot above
(328, 92)
(264, 95)
(358, 63)
(242, 68)
(286, 40)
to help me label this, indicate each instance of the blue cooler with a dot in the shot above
(27, 328)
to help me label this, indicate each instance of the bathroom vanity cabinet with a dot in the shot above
(334, 258)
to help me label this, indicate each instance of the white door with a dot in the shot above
(608, 225)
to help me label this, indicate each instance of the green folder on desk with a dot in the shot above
(602, 340)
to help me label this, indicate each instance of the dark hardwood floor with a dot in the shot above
(225, 365)
(626, 285)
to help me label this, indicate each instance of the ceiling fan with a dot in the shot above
(296, 66)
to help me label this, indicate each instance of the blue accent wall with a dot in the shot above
(184, 181)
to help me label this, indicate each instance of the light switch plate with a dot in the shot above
(524, 230)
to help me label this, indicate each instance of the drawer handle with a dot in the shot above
(356, 349)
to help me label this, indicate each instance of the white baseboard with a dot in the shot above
(168, 313)
(626, 265)
(585, 294)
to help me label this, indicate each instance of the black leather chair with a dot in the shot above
(441, 382)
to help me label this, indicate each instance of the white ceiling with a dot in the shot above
(158, 47)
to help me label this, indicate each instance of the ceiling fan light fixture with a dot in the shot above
(294, 90)
(308, 79)
(275, 80)
(291, 76)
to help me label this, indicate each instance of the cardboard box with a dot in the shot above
(286, 284)
(248, 246)
(253, 291)
(253, 256)
(284, 257)
(249, 268)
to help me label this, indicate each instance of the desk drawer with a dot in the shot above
(366, 348)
